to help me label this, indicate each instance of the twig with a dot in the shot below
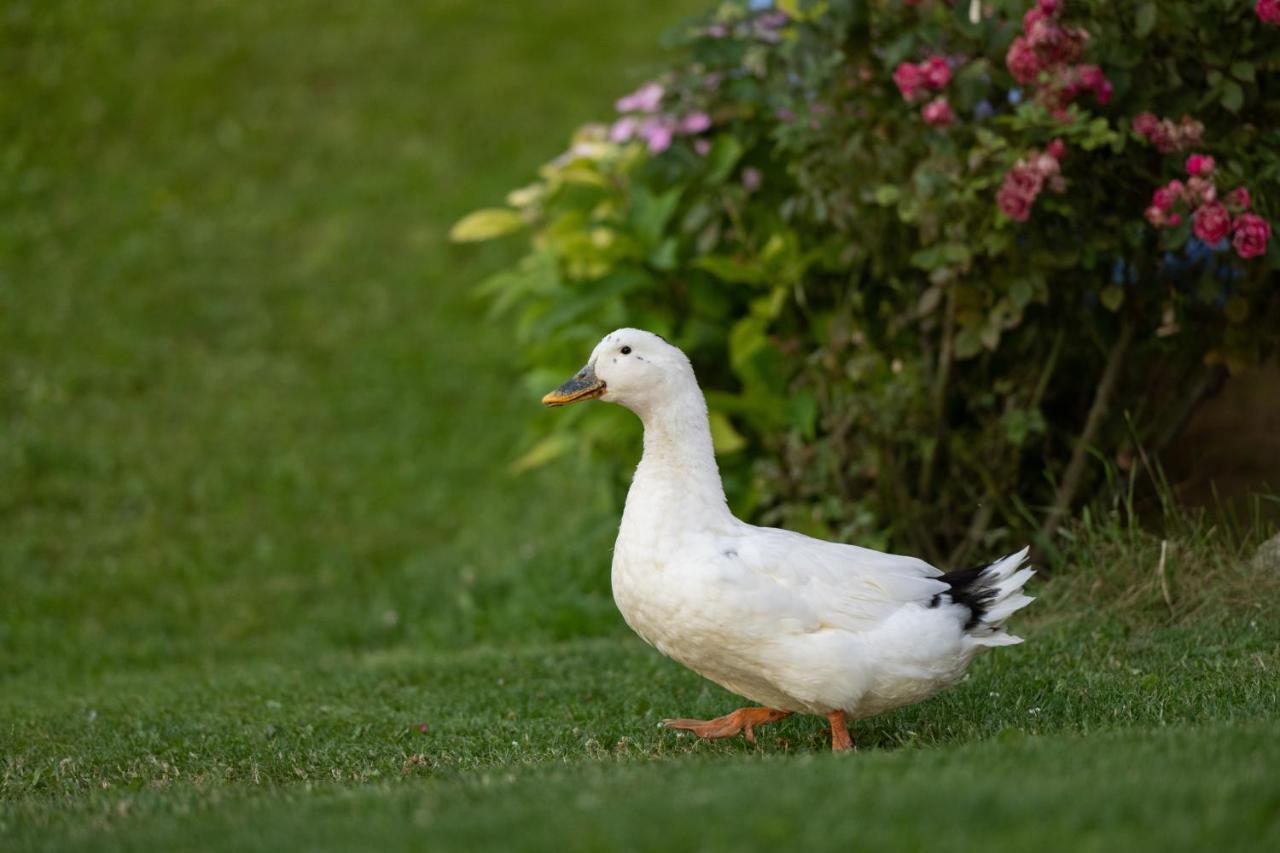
(1074, 474)
(946, 355)
(1164, 581)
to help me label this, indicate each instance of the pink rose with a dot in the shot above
(910, 79)
(1056, 149)
(1022, 61)
(1200, 165)
(937, 73)
(1175, 219)
(1145, 124)
(1212, 223)
(1091, 76)
(1155, 215)
(1018, 192)
(1050, 7)
(1201, 191)
(1269, 13)
(1239, 199)
(1252, 233)
(1163, 199)
(938, 113)
(1014, 205)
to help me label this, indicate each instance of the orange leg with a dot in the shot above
(743, 719)
(840, 740)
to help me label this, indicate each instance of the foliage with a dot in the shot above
(914, 252)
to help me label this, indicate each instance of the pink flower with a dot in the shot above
(1201, 191)
(937, 73)
(657, 133)
(1018, 192)
(1022, 61)
(1155, 215)
(1050, 7)
(1200, 165)
(1239, 199)
(1212, 222)
(695, 123)
(1252, 233)
(646, 99)
(910, 79)
(1175, 219)
(938, 113)
(1056, 149)
(1145, 124)
(1013, 204)
(624, 129)
(752, 179)
(1163, 199)
(1091, 77)
(702, 146)
(1269, 13)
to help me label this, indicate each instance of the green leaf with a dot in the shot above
(937, 256)
(1243, 71)
(650, 212)
(724, 438)
(731, 269)
(887, 194)
(485, 225)
(1232, 96)
(724, 155)
(1112, 297)
(547, 450)
(1146, 20)
(1236, 309)
(803, 414)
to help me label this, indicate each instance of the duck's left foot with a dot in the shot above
(840, 740)
(743, 719)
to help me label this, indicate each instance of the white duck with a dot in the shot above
(796, 624)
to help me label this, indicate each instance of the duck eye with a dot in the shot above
(626, 350)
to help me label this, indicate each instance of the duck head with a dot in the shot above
(631, 367)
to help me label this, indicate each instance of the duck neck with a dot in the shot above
(678, 469)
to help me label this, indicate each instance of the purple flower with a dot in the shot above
(646, 99)
(752, 179)
(702, 147)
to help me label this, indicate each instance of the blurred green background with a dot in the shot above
(265, 582)
(250, 404)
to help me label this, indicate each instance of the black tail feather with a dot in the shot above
(967, 589)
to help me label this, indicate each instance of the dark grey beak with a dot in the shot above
(583, 386)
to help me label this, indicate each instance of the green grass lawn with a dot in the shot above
(266, 584)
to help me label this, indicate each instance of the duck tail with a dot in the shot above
(992, 593)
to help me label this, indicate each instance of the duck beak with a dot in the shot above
(583, 386)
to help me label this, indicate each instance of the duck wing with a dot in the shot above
(827, 584)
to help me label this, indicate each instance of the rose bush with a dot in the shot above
(935, 262)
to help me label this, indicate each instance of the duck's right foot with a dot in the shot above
(743, 719)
